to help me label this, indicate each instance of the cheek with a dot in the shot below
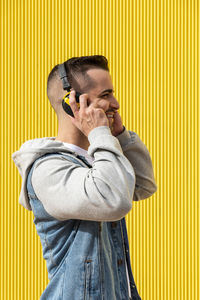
(103, 103)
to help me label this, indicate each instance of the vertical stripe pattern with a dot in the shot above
(153, 53)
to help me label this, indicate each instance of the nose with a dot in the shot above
(114, 104)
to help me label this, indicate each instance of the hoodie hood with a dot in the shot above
(28, 153)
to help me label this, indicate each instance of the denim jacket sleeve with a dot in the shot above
(103, 192)
(138, 155)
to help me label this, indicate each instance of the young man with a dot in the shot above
(81, 184)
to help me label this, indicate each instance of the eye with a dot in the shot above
(105, 95)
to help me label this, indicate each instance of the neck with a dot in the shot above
(72, 135)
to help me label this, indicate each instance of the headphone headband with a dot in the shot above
(63, 76)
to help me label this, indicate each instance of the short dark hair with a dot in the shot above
(77, 66)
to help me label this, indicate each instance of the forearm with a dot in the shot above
(138, 155)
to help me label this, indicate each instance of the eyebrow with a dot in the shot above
(108, 90)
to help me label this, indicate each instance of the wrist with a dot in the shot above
(122, 130)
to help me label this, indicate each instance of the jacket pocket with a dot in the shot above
(87, 277)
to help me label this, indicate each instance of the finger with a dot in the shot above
(83, 101)
(72, 102)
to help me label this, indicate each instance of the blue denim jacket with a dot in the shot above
(85, 259)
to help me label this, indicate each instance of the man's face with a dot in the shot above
(102, 94)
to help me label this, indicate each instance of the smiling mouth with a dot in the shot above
(110, 114)
(110, 119)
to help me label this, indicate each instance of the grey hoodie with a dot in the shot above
(121, 172)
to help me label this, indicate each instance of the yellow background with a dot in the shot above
(153, 53)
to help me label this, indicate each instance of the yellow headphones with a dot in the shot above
(66, 99)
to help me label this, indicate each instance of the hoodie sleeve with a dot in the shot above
(101, 193)
(138, 155)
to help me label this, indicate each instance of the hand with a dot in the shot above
(86, 118)
(117, 125)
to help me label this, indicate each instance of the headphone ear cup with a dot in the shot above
(66, 104)
(67, 108)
